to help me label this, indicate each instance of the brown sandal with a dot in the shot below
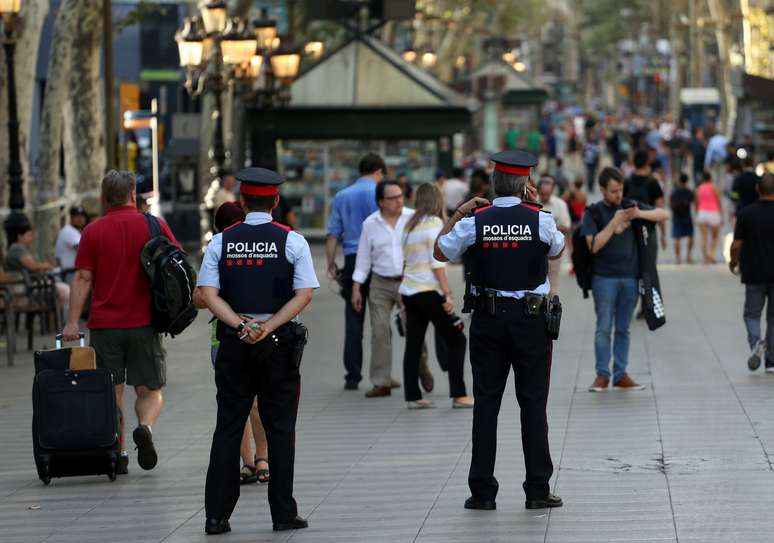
(262, 475)
(248, 475)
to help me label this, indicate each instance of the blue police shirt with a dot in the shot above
(351, 206)
(463, 235)
(296, 251)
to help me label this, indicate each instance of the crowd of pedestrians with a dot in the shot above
(394, 268)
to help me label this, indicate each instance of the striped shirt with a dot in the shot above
(418, 258)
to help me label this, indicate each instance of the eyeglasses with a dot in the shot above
(392, 198)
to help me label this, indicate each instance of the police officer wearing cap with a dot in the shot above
(507, 246)
(256, 277)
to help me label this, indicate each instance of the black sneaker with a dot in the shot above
(146, 452)
(769, 366)
(122, 467)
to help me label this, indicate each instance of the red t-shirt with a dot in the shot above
(110, 249)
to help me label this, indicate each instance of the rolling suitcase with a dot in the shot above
(74, 417)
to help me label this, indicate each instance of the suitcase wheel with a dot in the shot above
(113, 472)
(45, 473)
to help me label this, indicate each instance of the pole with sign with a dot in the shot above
(154, 123)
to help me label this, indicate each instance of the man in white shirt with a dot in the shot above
(68, 240)
(561, 215)
(380, 254)
(454, 191)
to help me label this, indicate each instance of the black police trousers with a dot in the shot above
(510, 339)
(242, 372)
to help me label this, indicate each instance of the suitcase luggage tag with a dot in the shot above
(81, 357)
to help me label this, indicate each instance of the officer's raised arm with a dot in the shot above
(454, 239)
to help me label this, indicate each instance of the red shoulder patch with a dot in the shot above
(285, 227)
(480, 209)
(232, 226)
(534, 208)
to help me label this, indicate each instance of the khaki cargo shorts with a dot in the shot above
(133, 355)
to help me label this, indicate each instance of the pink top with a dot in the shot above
(707, 198)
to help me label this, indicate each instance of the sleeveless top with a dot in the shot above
(707, 198)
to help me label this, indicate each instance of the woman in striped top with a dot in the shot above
(427, 298)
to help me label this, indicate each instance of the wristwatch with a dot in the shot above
(241, 326)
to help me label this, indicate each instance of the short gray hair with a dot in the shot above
(116, 187)
(506, 184)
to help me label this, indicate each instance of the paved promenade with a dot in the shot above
(687, 459)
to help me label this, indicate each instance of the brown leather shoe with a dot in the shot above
(600, 384)
(627, 383)
(378, 392)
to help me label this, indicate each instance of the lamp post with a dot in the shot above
(217, 50)
(9, 9)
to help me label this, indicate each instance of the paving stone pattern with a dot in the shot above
(687, 459)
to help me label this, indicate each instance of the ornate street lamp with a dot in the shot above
(266, 33)
(314, 49)
(216, 50)
(428, 59)
(214, 17)
(9, 9)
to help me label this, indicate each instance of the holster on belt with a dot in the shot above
(553, 317)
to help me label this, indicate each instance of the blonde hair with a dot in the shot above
(428, 203)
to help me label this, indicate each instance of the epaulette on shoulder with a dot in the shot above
(284, 227)
(232, 226)
(478, 210)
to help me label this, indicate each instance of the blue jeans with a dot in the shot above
(614, 302)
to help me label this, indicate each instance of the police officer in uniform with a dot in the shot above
(507, 246)
(256, 277)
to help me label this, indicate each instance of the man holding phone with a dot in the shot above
(615, 283)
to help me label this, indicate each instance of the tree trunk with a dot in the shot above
(51, 127)
(72, 117)
(33, 14)
(721, 13)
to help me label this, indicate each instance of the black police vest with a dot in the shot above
(508, 253)
(255, 275)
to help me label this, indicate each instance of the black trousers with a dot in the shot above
(510, 339)
(242, 372)
(422, 309)
(353, 324)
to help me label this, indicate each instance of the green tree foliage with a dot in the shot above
(604, 23)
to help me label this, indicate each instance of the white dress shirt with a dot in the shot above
(380, 249)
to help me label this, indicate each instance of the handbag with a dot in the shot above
(650, 286)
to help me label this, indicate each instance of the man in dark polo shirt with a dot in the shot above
(108, 267)
(753, 251)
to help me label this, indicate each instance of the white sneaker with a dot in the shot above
(756, 354)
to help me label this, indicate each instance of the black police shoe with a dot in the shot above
(215, 526)
(549, 501)
(294, 524)
(484, 505)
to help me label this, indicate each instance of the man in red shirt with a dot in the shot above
(108, 267)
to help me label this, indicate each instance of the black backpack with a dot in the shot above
(582, 259)
(172, 282)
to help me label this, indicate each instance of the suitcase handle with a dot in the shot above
(81, 338)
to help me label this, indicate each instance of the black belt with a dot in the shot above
(532, 304)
